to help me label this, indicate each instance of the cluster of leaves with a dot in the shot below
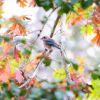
(57, 90)
(24, 3)
(65, 6)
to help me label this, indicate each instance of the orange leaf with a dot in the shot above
(96, 39)
(22, 3)
(75, 20)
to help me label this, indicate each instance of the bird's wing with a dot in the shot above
(50, 42)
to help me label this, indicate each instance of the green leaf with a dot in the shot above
(95, 76)
(86, 3)
(76, 6)
(46, 4)
(6, 38)
(44, 20)
(75, 66)
(74, 1)
(96, 73)
(47, 62)
(23, 92)
(58, 2)
(26, 51)
(9, 94)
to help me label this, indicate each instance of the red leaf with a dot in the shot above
(16, 54)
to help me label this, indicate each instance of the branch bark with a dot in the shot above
(54, 27)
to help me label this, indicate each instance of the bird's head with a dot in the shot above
(44, 38)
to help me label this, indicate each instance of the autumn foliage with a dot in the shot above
(22, 55)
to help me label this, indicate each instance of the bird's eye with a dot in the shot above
(44, 37)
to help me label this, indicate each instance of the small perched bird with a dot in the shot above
(48, 42)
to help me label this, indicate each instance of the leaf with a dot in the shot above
(96, 73)
(74, 1)
(16, 54)
(59, 74)
(65, 8)
(75, 20)
(26, 51)
(23, 92)
(87, 29)
(22, 3)
(47, 62)
(86, 3)
(9, 94)
(58, 2)
(95, 94)
(17, 27)
(96, 40)
(13, 65)
(46, 4)
(75, 66)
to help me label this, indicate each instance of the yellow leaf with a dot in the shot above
(59, 74)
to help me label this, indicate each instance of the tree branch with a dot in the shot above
(54, 27)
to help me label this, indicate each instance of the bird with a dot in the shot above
(49, 42)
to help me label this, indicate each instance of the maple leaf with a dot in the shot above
(96, 39)
(75, 20)
(22, 3)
